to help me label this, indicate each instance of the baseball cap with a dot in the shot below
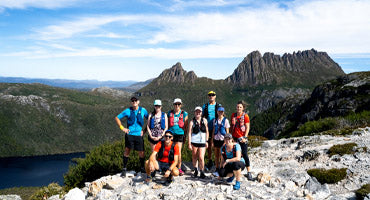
(211, 92)
(228, 135)
(169, 131)
(198, 108)
(134, 98)
(157, 102)
(177, 100)
(222, 109)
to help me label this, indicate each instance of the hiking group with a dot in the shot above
(209, 131)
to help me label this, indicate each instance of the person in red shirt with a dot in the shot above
(164, 159)
(240, 126)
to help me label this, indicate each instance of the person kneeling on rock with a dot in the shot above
(231, 161)
(166, 161)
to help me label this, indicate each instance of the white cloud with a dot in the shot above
(50, 4)
(341, 26)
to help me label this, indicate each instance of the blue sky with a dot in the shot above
(137, 40)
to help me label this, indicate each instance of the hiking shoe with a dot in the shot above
(209, 164)
(230, 179)
(169, 180)
(123, 173)
(215, 174)
(249, 176)
(195, 173)
(142, 170)
(153, 174)
(202, 175)
(237, 185)
(148, 180)
(181, 172)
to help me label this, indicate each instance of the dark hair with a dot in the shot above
(243, 103)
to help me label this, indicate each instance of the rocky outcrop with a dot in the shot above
(300, 68)
(277, 171)
(112, 92)
(339, 97)
(176, 74)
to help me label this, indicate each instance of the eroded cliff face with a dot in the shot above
(175, 74)
(300, 68)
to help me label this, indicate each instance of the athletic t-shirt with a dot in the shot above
(237, 132)
(211, 114)
(135, 129)
(176, 128)
(166, 151)
(230, 155)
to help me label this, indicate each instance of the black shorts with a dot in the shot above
(178, 138)
(163, 167)
(218, 143)
(152, 141)
(134, 142)
(230, 167)
(198, 145)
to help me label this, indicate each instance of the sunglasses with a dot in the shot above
(157, 106)
(211, 95)
(133, 100)
(168, 136)
(177, 104)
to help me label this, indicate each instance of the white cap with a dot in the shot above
(157, 102)
(198, 108)
(177, 100)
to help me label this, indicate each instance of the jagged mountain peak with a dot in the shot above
(303, 67)
(175, 74)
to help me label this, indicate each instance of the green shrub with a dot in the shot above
(312, 127)
(363, 191)
(328, 176)
(48, 191)
(255, 141)
(342, 149)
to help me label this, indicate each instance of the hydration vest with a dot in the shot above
(163, 121)
(171, 154)
(205, 111)
(197, 128)
(220, 128)
(238, 122)
(224, 152)
(131, 119)
(181, 122)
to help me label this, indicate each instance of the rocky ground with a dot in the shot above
(278, 167)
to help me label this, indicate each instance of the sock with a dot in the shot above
(142, 162)
(125, 161)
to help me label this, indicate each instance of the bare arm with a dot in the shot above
(118, 121)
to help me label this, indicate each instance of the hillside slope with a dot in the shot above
(37, 119)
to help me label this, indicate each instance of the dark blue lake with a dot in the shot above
(35, 170)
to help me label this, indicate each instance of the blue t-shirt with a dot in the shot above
(230, 155)
(211, 115)
(135, 129)
(176, 128)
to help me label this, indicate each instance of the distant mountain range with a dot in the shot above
(66, 83)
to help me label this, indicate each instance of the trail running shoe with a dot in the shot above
(237, 185)
(230, 179)
(249, 176)
(181, 172)
(123, 173)
(195, 173)
(202, 175)
(215, 174)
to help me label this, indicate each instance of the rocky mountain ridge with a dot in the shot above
(339, 97)
(302, 67)
(279, 169)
